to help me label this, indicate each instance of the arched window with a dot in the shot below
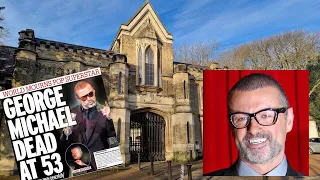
(120, 83)
(184, 90)
(140, 66)
(119, 130)
(149, 67)
(159, 69)
(188, 132)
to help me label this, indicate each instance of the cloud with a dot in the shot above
(95, 23)
(244, 20)
(79, 22)
(190, 13)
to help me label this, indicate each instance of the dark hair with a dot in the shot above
(256, 81)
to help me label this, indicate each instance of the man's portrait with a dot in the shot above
(255, 123)
(94, 127)
(78, 156)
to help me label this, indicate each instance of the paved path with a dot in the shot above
(161, 172)
(130, 174)
(314, 164)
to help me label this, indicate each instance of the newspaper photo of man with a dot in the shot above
(78, 156)
(94, 127)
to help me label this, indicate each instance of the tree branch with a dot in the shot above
(314, 87)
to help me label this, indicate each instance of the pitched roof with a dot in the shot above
(139, 10)
(134, 16)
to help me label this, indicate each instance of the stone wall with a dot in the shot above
(167, 58)
(57, 51)
(167, 86)
(128, 48)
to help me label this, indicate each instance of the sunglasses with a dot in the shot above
(84, 98)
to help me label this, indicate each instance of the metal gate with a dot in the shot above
(147, 137)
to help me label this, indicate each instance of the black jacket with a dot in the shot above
(233, 171)
(101, 132)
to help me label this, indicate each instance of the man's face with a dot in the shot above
(76, 153)
(260, 144)
(86, 96)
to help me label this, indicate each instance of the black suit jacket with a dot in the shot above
(100, 133)
(233, 171)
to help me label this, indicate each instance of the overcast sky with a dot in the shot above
(95, 23)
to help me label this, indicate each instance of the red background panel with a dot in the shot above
(220, 150)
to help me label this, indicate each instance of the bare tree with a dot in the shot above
(236, 58)
(290, 50)
(197, 54)
(314, 78)
(314, 91)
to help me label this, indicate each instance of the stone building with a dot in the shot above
(156, 103)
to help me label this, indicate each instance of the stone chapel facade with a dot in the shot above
(156, 103)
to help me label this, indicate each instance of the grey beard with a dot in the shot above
(254, 156)
(92, 105)
(88, 106)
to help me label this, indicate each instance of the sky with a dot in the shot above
(94, 23)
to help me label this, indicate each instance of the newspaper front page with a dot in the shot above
(61, 127)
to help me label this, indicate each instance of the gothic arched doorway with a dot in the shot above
(147, 136)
